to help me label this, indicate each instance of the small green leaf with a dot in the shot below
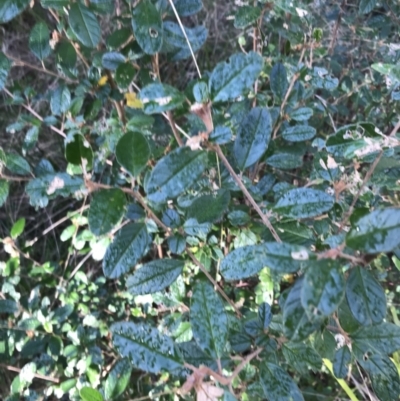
(301, 114)
(154, 276)
(147, 26)
(209, 208)
(188, 7)
(84, 25)
(175, 173)
(18, 228)
(249, 260)
(17, 164)
(112, 60)
(366, 6)
(157, 98)
(133, 152)
(299, 133)
(378, 231)
(246, 15)
(277, 384)
(78, 151)
(90, 394)
(232, 79)
(209, 320)
(8, 306)
(39, 41)
(341, 362)
(124, 75)
(278, 80)
(301, 357)
(31, 137)
(11, 8)
(253, 137)
(285, 159)
(118, 379)
(301, 203)
(146, 348)
(4, 189)
(366, 297)
(106, 210)
(5, 66)
(221, 135)
(125, 251)
(66, 54)
(60, 100)
(323, 288)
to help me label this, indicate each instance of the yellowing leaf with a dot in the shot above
(103, 80)
(133, 101)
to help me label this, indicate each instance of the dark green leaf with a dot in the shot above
(4, 188)
(17, 164)
(60, 100)
(11, 8)
(8, 306)
(246, 15)
(249, 260)
(278, 80)
(377, 232)
(78, 151)
(30, 139)
(366, 6)
(253, 137)
(277, 384)
(297, 324)
(301, 203)
(84, 25)
(176, 244)
(221, 135)
(174, 41)
(231, 80)
(188, 7)
(57, 4)
(90, 394)
(175, 173)
(106, 210)
(384, 337)
(133, 152)
(264, 315)
(298, 133)
(125, 251)
(154, 276)
(301, 357)
(39, 41)
(5, 66)
(209, 320)
(323, 288)
(209, 208)
(66, 54)
(301, 114)
(366, 297)
(285, 159)
(145, 347)
(112, 60)
(147, 26)
(157, 98)
(118, 379)
(119, 37)
(341, 362)
(124, 75)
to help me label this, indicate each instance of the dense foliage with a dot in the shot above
(211, 216)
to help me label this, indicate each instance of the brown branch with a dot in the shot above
(35, 375)
(246, 193)
(173, 127)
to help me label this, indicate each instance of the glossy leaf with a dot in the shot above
(158, 98)
(301, 203)
(323, 288)
(78, 151)
(90, 394)
(4, 189)
(5, 66)
(298, 133)
(124, 75)
(133, 152)
(277, 384)
(39, 41)
(147, 26)
(128, 247)
(231, 80)
(301, 114)
(221, 135)
(9, 9)
(341, 362)
(118, 379)
(209, 320)
(66, 54)
(60, 100)
(378, 231)
(265, 315)
(17, 164)
(154, 276)
(188, 7)
(209, 208)
(246, 15)
(253, 137)
(297, 323)
(106, 210)
(112, 60)
(84, 25)
(174, 41)
(366, 297)
(175, 173)
(145, 347)
(278, 80)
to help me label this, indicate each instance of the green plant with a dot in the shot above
(248, 223)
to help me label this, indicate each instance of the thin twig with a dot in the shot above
(35, 375)
(173, 127)
(246, 193)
